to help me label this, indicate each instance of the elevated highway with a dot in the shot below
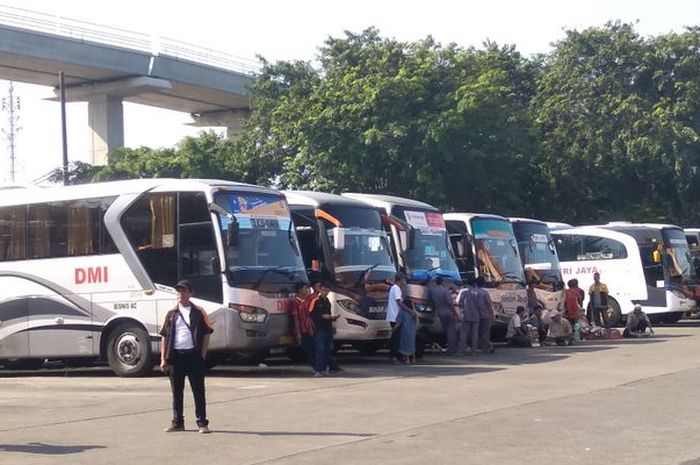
(105, 67)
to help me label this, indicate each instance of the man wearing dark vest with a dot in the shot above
(183, 350)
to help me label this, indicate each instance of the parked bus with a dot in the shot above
(343, 243)
(88, 271)
(646, 264)
(421, 249)
(485, 246)
(538, 255)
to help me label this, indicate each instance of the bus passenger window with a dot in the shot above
(13, 233)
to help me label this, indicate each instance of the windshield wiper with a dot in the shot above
(360, 278)
(511, 275)
(279, 269)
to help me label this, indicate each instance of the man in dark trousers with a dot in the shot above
(320, 312)
(183, 349)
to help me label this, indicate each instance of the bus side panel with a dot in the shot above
(624, 278)
(14, 311)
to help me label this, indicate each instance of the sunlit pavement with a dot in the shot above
(600, 402)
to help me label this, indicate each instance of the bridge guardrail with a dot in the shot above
(106, 35)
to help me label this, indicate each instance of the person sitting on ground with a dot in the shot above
(559, 332)
(537, 323)
(637, 323)
(516, 334)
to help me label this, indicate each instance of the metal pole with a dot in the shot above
(62, 87)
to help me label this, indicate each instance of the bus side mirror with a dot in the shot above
(232, 234)
(338, 238)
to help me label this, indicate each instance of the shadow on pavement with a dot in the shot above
(294, 433)
(46, 449)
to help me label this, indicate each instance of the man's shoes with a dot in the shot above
(318, 374)
(174, 427)
(204, 430)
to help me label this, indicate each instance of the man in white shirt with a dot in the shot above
(183, 349)
(515, 335)
(393, 307)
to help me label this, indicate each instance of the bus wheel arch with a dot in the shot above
(615, 317)
(126, 345)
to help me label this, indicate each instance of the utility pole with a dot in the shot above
(11, 105)
(64, 136)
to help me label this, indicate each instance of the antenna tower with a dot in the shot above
(11, 104)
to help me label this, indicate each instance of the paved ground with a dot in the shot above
(598, 403)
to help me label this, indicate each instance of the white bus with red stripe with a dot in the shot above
(87, 272)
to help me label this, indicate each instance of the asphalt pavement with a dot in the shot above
(600, 402)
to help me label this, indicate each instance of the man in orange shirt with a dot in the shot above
(303, 326)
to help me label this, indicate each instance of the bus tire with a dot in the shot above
(614, 313)
(129, 351)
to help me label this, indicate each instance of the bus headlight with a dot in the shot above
(349, 305)
(250, 314)
(423, 307)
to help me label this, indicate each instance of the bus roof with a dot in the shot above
(466, 217)
(627, 224)
(526, 220)
(114, 188)
(317, 199)
(611, 233)
(388, 201)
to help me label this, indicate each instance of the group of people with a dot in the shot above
(467, 312)
(563, 327)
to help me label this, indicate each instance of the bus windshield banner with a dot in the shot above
(256, 211)
(429, 222)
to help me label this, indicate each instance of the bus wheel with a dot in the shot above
(129, 351)
(614, 313)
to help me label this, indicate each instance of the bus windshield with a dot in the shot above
(677, 258)
(365, 255)
(538, 254)
(496, 251)
(266, 251)
(430, 255)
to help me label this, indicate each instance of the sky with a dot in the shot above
(289, 30)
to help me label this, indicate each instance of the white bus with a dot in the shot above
(422, 251)
(646, 264)
(485, 246)
(343, 243)
(540, 262)
(88, 271)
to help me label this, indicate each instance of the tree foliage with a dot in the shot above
(603, 127)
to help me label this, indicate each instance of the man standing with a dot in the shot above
(485, 306)
(637, 323)
(469, 330)
(393, 307)
(598, 293)
(320, 312)
(445, 310)
(303, 326)
(183, 350)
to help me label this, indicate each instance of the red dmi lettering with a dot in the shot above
(91, 275)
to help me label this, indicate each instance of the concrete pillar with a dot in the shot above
(106, 120)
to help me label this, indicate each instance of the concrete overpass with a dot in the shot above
(105, 67)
